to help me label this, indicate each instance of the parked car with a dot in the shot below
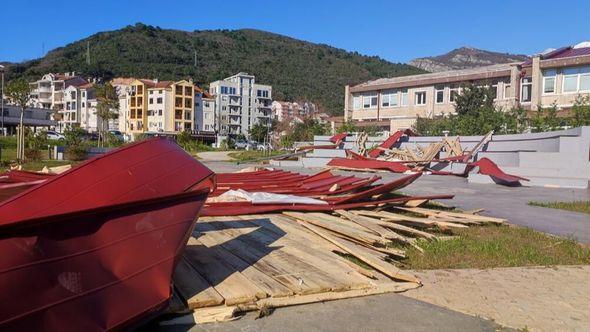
(55, 135)
(118, 135)
(264, 147)
(241, 144)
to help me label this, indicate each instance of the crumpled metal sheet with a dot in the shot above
(94, 248)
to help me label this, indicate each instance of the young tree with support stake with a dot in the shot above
(19, 92)
(108, 103)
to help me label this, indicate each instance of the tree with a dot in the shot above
(347, 127)
(259, 132)
(19, 91)
(106, 109)
(581, 111)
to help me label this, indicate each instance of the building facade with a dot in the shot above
(48, 92)
(555, 77)
(283, 110)
(204, 111)
(156, 106)
(240, 103)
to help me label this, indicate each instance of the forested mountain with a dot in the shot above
(297, 70)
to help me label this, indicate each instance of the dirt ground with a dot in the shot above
(535, 298)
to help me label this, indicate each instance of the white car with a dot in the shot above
(264, 147)
(55, 135)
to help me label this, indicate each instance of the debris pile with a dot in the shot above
(237, 263)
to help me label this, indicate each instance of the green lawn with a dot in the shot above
(496, 246)
(243, 156)
(9, 155)
(577, 206)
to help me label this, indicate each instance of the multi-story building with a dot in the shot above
(88, 118)
(283, 110)
(204, 111)
(48, 92)
(554, 77)
(240, 103)
(157, 106)
(122, 86)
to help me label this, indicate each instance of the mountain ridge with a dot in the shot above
(297, 69)
(463, 58)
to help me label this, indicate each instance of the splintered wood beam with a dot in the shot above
(363, 255)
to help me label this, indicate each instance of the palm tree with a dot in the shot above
(106, 109)
(19, 91)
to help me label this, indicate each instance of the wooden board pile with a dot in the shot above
(258, 262)
(452, 147)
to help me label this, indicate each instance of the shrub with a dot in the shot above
(36, 142)
(76, 148)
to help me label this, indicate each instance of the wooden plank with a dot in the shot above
(194, 288)
(390, 287)
(458, 216)
(284, 267)
(261, 280)
(229, 283)
(364, 255)
(370, 224)
(322, 264)
(396, 217)
(339, 227)
(395, 226)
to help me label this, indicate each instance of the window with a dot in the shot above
(356, 102)
(83, 93)
(439, 96)
(507, 91)
(160, 112)
(549, 81)
(370, 100)
(262, 93)
(224, 90)
(585, 79)
(151, 100)
(420, 98)
(389, 98)
(159, 100)
(453, 92)
(404, 98)
(526, 88)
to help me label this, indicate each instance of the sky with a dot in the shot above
(397, 31)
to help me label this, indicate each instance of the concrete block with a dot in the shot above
(506, 158)
(315, 162)
(327, 153)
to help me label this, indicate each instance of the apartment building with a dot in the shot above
(89, 121)
(283, 110)
(156, 106)
(48, 92)
(204, 111)
(552, 77)
(122, 86)
(240, 103)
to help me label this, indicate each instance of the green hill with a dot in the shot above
(297, 70)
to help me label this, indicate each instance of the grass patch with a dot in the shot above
(496, 246)
(9, 155)
(577, 206)
(243, 156)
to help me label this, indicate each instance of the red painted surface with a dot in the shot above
(393, 166)
(488, 167)
(338, 138)
(387, 144)
(94, 248)
(244, 208)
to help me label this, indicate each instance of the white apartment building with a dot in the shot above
(123, 87)
(204, 111)
(284, 110)
(88, 118)
(48, 92)
(240, 103)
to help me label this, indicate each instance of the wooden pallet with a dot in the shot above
(244, 263)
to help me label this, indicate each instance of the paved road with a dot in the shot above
(497, 200)
(211, 156)
(387, 312)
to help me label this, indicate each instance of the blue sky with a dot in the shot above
(395, 30)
